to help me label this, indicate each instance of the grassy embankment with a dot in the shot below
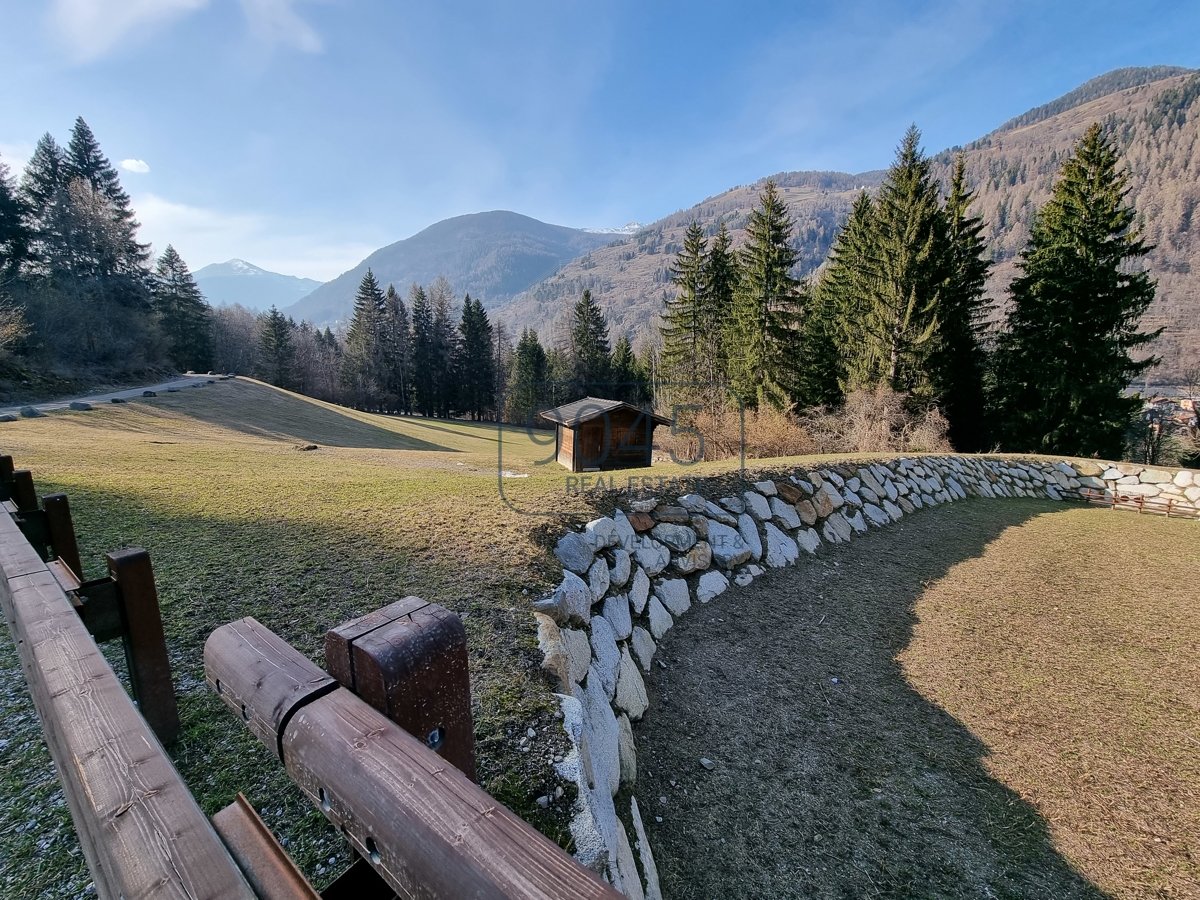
(239, 521)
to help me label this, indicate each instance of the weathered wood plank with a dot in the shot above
(261, 677)
(415, 671)
(140, 829)
(424, 826)
(339, 641)
(145, 641)
(61, 532)
(23, 491)
(266, 865)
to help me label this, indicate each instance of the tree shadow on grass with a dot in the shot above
(262, 411)
(298, 579)
(833, 777)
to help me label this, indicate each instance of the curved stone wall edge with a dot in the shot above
(629, 576)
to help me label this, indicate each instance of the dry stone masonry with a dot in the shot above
(628, 577)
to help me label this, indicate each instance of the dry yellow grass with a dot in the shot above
(1071, 649)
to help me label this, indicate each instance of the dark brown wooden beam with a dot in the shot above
(141, 831)
(409, 661)
(145, 641)
(426, 828)
(61, 532)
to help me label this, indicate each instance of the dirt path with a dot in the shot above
(831, 776)
(183, 381)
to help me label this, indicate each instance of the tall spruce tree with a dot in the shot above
(184, 316)
(14, 229)
(424, 353)
(958, 360)
(527, 391)
(396, 353)
(589, 353)
(684, 319)
(1065, 360)
(84, 161)
(906, 275)
(474, 362)
(43, 192)
(628, 380)
(276, 350)
(445, 346)
(362, 370)
(720, 283)
(834, 360)
(762, 325)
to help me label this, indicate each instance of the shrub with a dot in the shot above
(875, 420)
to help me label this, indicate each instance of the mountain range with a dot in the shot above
(490, 255)
(245, 284)
(529, 273)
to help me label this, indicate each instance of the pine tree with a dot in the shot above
(833, 360)
(589, 351)
(396, 353)
(84, 161)
(527, 390)
(1064, 361)
(765, 304)
(424, 353)
(628, 379)
(14, 231)
(720, 283)
(362, 373)
(276, 351)
(475, 375)
(445, 346)
(958, 361)
(906, 275)
(683, 320)
(184, 316)
(43, 193)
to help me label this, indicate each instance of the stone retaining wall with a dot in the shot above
(628, 577)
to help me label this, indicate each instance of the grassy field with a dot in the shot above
(985, 700)
(240, 521)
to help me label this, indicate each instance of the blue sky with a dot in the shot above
(302, 134)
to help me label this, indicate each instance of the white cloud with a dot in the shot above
(91, 29)
(203, 235)
(277, 22)
(135, 165)
(15, 156)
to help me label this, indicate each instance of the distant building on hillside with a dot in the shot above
(594, 434)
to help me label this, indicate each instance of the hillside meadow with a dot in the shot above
(241, 520)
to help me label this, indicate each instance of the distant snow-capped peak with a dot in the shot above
(244, 268)
(627, 228)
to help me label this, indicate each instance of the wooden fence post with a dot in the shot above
(409, 661)
(145, 641)
(420, 822)
(61, 532)
(23, 492)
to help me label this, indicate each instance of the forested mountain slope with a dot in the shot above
(490, 255)
(1154, 115)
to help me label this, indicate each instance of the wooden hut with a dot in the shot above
(593, 434)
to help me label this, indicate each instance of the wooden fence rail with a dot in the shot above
(423, 825)
(141, 831)
(1115, 498)
(407, 804)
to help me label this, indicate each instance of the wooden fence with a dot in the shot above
(1115, 498)
(382, 744)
